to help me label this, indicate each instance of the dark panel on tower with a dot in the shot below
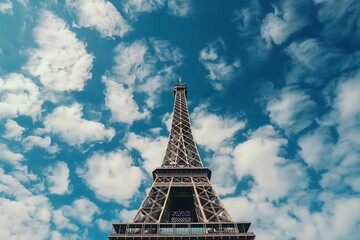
(182, 203)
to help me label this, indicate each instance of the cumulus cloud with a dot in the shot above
(120, 101)
(292, 110)
(152, 150)
(104, 225)
(101, 15)
(68, 124)
(9, 156)
(288, 17)
(57, 178)
(42, 142)
(19, 96)
(205, 125)
(101, 171)
(23, 214)
(261, 158)
(6, 7)
(180, 8)
(61, 61)
(215, 62)
(13, 130)
(127, 215)
(337, 219)
(82, 210)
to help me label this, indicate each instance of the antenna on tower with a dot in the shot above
(180, 79)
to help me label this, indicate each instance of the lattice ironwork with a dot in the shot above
(182, 192)
(181, 150)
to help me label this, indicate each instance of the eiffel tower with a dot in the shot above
(182, 203)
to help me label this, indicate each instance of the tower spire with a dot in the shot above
(181, 149)
(182, 203)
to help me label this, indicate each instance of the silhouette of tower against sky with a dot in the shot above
(182, 203)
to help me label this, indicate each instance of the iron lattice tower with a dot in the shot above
(182, 203)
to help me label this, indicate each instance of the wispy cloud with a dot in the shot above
(146, 67)
(334, 145)
(134, 7)
(220, 69)
(340, 20)
(288, 17)
(291, 109)
(180, 8)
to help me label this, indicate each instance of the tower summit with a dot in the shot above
(182, 203)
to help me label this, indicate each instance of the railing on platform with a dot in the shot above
(180, 228)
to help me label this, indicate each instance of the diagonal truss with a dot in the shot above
(182, 203)
(181, 150)
(208, 206)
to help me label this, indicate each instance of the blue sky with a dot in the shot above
(86, 100)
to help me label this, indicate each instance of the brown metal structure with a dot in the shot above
(182, 203)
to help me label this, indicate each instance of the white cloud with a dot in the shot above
(57, 178)
(130, 62)
(19, 96)
(219, 68)
(6, 7)
(248, 19)
(61, 61)
(152, 150)
(101, 171)
(313, 61)
(309, 53)
(42, 142)
(127, 215)
(341, 23)
(9, 156)
(61, 222)
(81, 210)
(334, 145)
(222, 164)
(146, 68)
(104, 225)
(68, 124)
(292, 110)
(337, 219)
(101, 15)
(13, 130)
(120, 101)
(23, 215)
(165, 52)
(288, 18)
(134, 7)
(205, 125)
(260, 157)
(180, 8)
